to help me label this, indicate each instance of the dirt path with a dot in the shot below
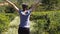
(3, 3)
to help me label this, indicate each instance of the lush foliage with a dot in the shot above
(46, 22)
(6, 16)
(4, 21)
(51, 4)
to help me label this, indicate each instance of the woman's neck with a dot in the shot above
(25, 10)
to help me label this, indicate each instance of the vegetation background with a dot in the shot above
(45, 19)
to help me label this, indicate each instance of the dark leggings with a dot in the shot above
(23, 30)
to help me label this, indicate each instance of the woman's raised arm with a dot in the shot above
(33, 6)
(13, 5)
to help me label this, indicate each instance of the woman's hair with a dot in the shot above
(24, 5)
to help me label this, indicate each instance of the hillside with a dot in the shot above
(45, 18)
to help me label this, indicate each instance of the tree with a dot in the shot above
(51, 4)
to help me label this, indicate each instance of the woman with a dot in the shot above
(24, 27)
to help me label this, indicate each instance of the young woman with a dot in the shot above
(24, 27)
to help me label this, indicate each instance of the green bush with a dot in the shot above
(11, 16)
(4, 22)
(46, 22)
(6, 17)
(9, 9)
